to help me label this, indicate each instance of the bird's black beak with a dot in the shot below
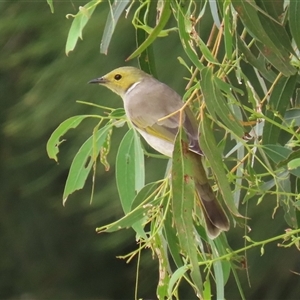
(100, 80)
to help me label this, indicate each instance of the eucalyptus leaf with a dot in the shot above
(277, 106)
(127, 170)
(80, 20)
(83, 162)
(294, 20)
(212, 154)
(277, 153)
(50, 3)
(144, 202)
(55, 138)
(165, 15)
(183, 191)
(217, 105)
(116, 10)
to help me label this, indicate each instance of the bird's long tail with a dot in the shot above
(215, 217)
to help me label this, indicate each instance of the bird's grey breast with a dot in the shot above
(152, 100)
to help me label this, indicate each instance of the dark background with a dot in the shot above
(48, 251)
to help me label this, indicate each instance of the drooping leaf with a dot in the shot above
(214, 12)
(272, 21)
(146, 58)
(105, 150)
(183, 19)
(129, 169)
(176, 276)
(116, 10)
(56, 136)
(256, 62)
(277, 153)
(248, 14)
(80, 20)
(281, 62)
(171, 237)
(210, 149)
(294, 20)
(164, 17)
(83, 162)
(266, 37)
(130, 174)
(292, 155)
(283, 184)
(50, 3)
(292, 116)
(183, 193)
(142, 203)
(216, 103)
(227, 30)
(277, 106)
(164, 267)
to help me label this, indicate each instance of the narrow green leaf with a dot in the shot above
(207, 290)
(146, 195)
(293, 155)
(116, 10)
(210, 149)
(79, 22)
(248, 14)
(280, 62)
(272, 22)
(182, 18)
(215, 12)
(55, 138)
(129, 220)
(206, 52)
(294, 20)
(293, 164)
(278, 103)
(105, 150)
(50, 3)
(292, 116)
(283, 183)
(255, 62)
(218, 271)
(222, 248)
(216, 103)
(237, 280)
(164, 18)
(130, 173)
(139, 163)
(176, 276)
(125, 170)
(277, 153)
(147, 57)
(227, 30)
(164, 268)
(142, 204)
(83, 162)
(170, 233)
(227, 88)
(295, 172)
(129, 169)
(266, 39)
(274, 8)
(183, 191)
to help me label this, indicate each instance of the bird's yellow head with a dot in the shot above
(121, 79)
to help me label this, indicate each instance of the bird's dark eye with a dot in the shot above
(118, 76)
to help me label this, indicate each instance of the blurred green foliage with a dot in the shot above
(52, 252)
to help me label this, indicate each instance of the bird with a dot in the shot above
(157, 111)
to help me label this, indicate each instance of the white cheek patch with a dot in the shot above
(132, 87)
